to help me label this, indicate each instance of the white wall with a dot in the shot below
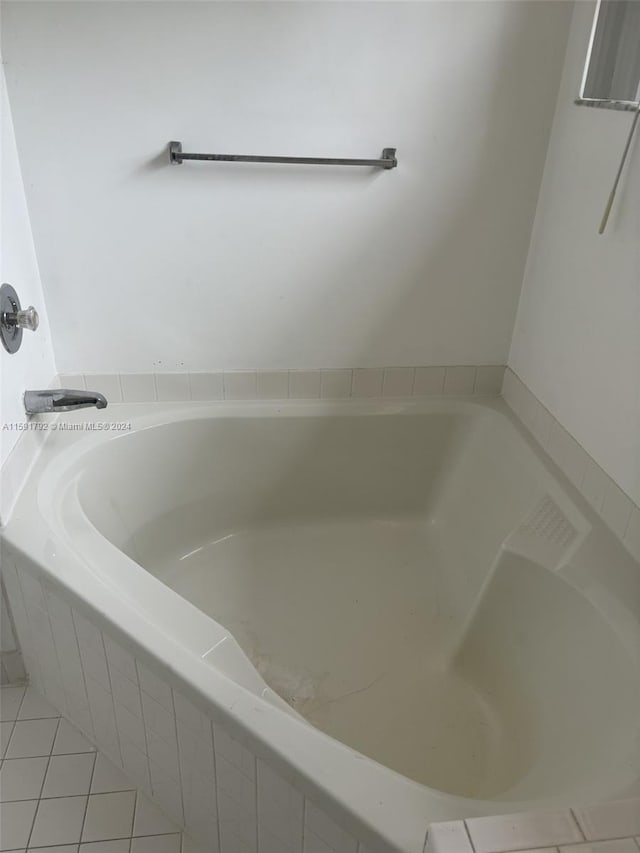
(577, 336)
(211, 266)
(33, 365)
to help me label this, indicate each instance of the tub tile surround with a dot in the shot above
(332, 383)
(12, 669)
(152, 738)
(606, 498)
(196, 773)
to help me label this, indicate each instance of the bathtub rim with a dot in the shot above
(402, 822)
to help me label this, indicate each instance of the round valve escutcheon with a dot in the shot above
(13, 319)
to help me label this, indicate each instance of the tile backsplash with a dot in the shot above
(360, 382)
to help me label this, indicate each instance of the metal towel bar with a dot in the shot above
(387, 161)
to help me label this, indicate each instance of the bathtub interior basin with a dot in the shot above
(362, 562)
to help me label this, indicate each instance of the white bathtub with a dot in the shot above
(402, 606)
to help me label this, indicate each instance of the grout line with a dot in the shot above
(176, 831)
(46, 591)
(628, 524)
(175, 731)
(466, 829)
(97, 794)
(215, 779)
(129, 838)
(304, 820)
(83, 674)
(413, 382)
(86, 805)
(110, 692)
(27, 621)
(45, 755)
(12, 624)
(135, 805)
(475, 381)
(255, 794)
(13, 724)
(577, 823)
(44, 779)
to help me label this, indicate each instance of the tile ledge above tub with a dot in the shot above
(609, 827)
(482, 380)
(618, 511)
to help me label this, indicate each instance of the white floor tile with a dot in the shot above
(31, 738)
(69, 775)
(10, 699)
(21, 778)
(58, 821)
(5, 733)
(35, 707)
(109, 816)
(107, 778)
(156, 844)
(16, 820)
(49, 791)
(150, 820)
(69, 739)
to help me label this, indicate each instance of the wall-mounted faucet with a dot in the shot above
(61, 400)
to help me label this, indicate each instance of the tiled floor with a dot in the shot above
(59, 795)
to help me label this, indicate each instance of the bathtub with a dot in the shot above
(402, 608)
